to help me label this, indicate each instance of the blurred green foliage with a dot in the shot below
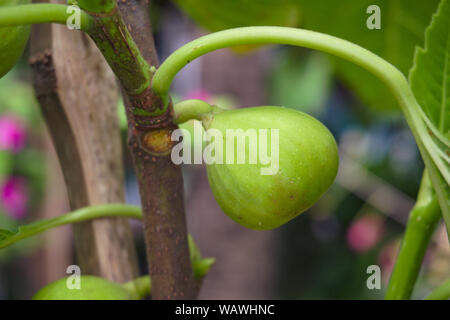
(224, 14)
(403, 25)
(301, 80)
(431, 73)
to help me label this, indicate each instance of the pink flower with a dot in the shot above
(14, 197)
(199, 94)
(12, 133)
(365, 233)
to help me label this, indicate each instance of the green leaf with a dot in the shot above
(216, 15)
(430, 82)
(430, 76)
(12, 40)
(402, 29)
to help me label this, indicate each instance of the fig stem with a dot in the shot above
(271, 35)
(422, 222)
(389, 74)
(40, 13)
(92, 212)
(193, 109)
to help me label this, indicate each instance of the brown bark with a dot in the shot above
(78, 98)
(160, 181)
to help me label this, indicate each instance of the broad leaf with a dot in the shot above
(430, 83)
(403, 23)
(216, 15)
(430, 76)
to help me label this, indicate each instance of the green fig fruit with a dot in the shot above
(12, 40)
(91, 288)
(266, 194)
(95, 288)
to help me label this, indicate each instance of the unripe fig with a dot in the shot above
(267, 194)
(92, 288)
(12, 40)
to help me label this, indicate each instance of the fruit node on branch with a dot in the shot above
(146, 111)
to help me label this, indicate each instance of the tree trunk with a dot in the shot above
(78, 97)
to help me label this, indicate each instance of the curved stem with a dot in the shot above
(101, 211)
(422, 222)
(40, 13)
(385, 71)
(271, 35)
(440, 293)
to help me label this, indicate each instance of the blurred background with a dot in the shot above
(322, 254)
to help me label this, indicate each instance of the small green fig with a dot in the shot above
(91, 288)
(12, 40)
(266, 194)
(95, 288)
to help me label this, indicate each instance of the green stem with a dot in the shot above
(422, 222)
(440, 293)
(139, 287)
(271, 35)
(40, 13)
(193, 109)
(391, 76)
(94, 212)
